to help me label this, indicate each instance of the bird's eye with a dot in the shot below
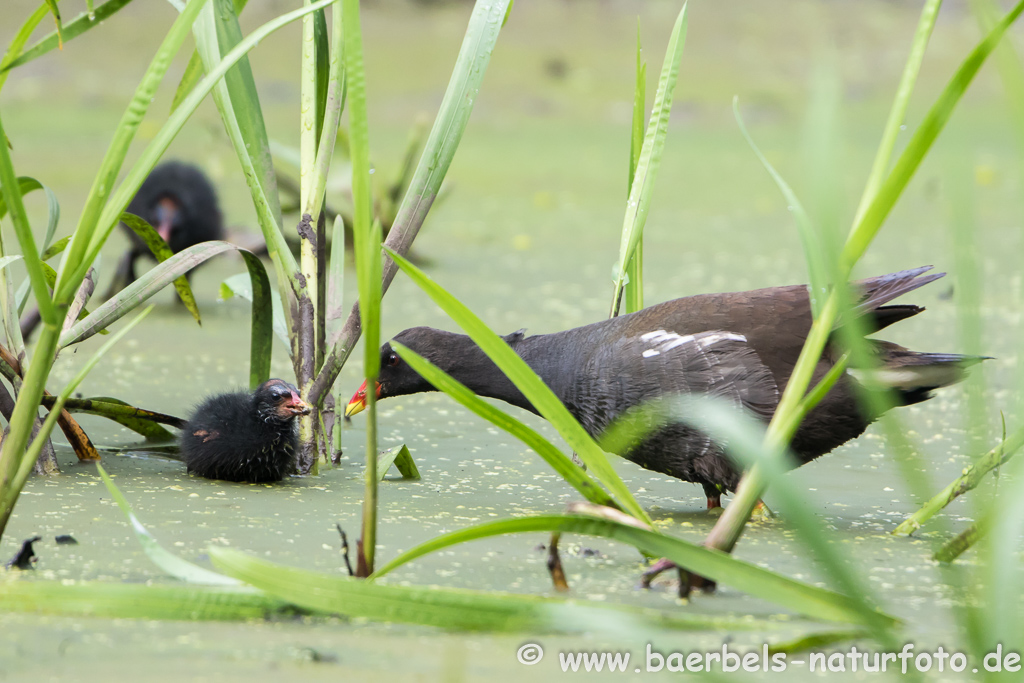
(393, 359)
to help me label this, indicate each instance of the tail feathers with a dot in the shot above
(884, 288)
(913, 376)
(877, 291)
(884, 316)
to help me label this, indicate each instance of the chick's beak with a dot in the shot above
(298, 406)
(357, 403)
(166, 212)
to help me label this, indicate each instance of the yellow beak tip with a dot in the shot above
(354, 407)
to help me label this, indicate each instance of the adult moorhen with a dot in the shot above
(179, 201)
(245, 436)
(739, 346)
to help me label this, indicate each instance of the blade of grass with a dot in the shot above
(729, 527)
(366, 236)
(161, 251)
(240, 285)
(817, 603)
(898, 112)
(71, 30)
(650, 157)
(634, 286)
(194, 69)
(938, 115)
(9, 492)
(813, 252)
(218, 37)
(102, 209)
(467, 76)
(55, 11)
(137, 601)
(140, 421)
(450, 608)
(527, 381)
(401, 458)
(745, 440)
(573, 475)
(166, 560)
(971, 477)
(19, 40)
(150, 283)
(11, 190)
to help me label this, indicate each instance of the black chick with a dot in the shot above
(179, 201)
(245, 436)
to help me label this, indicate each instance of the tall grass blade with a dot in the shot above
(194, 69)
(449, 608)
(650, 157)
(11, 488)
(938, 115)
(809, 239)
(745, 441)
(167, 561)
(573, 475)
(103, 207)
(368, 267)
(729, 527)
(146, 423)
(156, 279)
(69, 31)
(634, 288)
(19, 40)
(218, 38)
(137, 601)
(452, 117)
(10, 188)
(532, 386)
(161, 252)
(240, 285)
(898, 112)
(805, 599)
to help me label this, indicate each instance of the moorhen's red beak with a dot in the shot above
(358, 401)
(297, 406)
(166, 211)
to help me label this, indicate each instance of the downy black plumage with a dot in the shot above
(245, 436)
(179, 201)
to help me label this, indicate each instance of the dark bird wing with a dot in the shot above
(634, 369)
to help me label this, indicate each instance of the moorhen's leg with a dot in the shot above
(124, 275)
(555, 565)
(652, 572)
(714, 495)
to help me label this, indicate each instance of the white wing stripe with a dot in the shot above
(663, 341)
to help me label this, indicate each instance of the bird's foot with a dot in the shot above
(688, 581)
(654, 570)
(555, 565)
